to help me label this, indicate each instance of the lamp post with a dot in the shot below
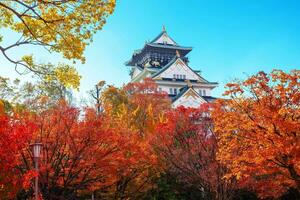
(36, 149)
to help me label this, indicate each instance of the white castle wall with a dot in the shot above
(180, 68)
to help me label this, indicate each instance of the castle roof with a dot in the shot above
(160, 44)
(164, 38)
(178, 57)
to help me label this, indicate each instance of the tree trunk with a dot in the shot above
(295, 176)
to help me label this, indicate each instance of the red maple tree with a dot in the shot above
(78, 156)
(188, 145)
(15, 134)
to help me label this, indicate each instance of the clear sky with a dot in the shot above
(231, 38)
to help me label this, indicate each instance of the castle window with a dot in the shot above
(200, 92)
(174, 75)
(180, 76)
(171, 90)
(184, 77)
(204, 93)
(175, 91)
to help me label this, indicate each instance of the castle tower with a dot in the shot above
(166, 62)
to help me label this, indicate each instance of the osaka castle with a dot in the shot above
(166, 62)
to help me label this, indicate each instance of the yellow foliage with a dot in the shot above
(64, 26)
(28, 59)
(68, 76)
(1, 106)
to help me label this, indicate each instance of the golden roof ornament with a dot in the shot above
(155, 63)
(147, 64)
(177, 54)
(164, 28)
(189, 83)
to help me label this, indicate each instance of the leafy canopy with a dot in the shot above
(133, 112)
(15, 131)
(186, 142)
(258, 130)
(64, 26)
(52, 83)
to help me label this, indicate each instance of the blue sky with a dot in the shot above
(231, 38)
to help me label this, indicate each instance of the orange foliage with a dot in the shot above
(187, 143)
(133, 112)
(258, 130)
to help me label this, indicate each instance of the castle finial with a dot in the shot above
(177, 54)
(164, 28)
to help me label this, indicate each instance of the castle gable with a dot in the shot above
(188, 98)
(136, 71)
(164, 39)
(178, 69)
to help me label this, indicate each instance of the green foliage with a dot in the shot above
(51, 83)
(169, 187)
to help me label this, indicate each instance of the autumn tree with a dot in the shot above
(65, 26)
(133, 113)
(77, 157)
(188, 145)
(258, 130)
(15, 132)
(141, 104)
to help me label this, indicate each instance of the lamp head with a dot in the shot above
(36, 149)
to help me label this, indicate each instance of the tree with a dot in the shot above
(188, 145)
(96, 96)
(59, 26)
(141, 104)
(53, 84)
(133, 112)
(15, 132)
(258, 131)
(170, 187)
(78, 156)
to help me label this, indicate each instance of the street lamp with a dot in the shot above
(36, 150)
